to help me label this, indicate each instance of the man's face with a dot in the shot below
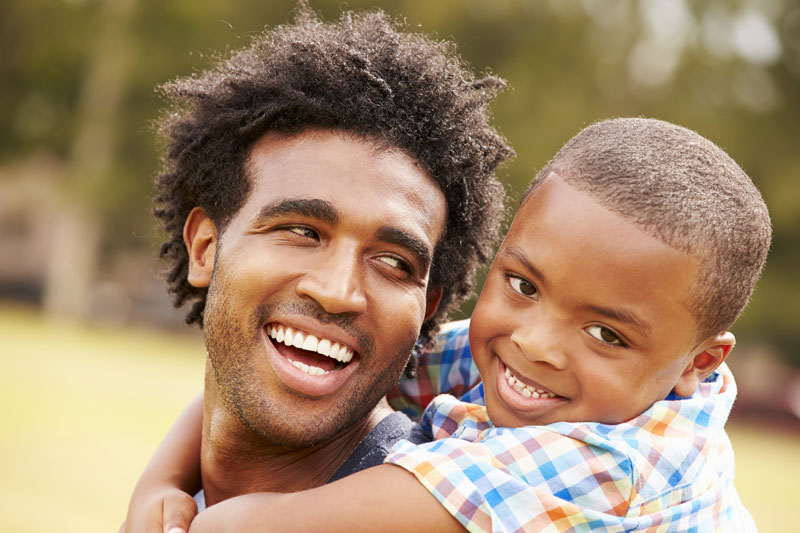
(582, 317)
(319, 283)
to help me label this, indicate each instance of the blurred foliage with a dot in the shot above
(729, 69)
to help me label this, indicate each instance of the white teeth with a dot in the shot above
(310, 343)
(313, 370)
(335, 351)
(305, 341)
(299, 339)
(526, 390)
(341, 353)
(324, 347)
(344, 354)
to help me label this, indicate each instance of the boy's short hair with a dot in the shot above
(684, 190)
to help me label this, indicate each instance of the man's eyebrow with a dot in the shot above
(402, 238)
(622, 315)
(309, 207)
(516, 253)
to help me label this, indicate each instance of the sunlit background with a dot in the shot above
(94, 362)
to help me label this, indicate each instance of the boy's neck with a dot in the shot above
(235, 460)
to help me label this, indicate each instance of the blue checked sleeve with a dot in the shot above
(669, 469)
(518, 479)
(447, 368)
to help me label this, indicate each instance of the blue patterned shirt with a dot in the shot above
(669, 469)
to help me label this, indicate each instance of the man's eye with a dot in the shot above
(302, 231)
(522, 286)
(604, 334)
(395, 262)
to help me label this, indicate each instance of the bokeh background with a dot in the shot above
(94, 362)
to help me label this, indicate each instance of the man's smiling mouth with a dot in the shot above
(335, 356)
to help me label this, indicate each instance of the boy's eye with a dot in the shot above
(522, 286)
(604, 334)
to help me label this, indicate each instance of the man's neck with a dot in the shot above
(236, 461)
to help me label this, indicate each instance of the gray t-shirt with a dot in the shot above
(378, 442)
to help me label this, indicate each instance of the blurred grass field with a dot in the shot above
(85, 407)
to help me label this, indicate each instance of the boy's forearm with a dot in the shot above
(383, 498)
(176, 462)
(175, 467)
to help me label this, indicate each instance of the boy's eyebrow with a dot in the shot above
(310, 207)
(402, 238)
(520, 256)
(622, 315)
(617, 314)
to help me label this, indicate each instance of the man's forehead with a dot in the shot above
(276, 150)
(273, 142)
(341, 177)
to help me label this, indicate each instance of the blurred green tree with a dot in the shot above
(729, 69)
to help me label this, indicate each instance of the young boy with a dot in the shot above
(600, 336)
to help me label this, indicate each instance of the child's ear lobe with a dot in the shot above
(200, 238)
(706, 358)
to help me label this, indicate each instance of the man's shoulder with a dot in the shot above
(376, 445)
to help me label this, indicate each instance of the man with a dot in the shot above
(329, 192)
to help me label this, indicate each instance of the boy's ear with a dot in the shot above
(432, 300)
(705, 359)
(200, 237)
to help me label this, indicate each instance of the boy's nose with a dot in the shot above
(539, 343)
(336, 282)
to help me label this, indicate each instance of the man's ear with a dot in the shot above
(432, 299)
(705, 359)
(200, 237)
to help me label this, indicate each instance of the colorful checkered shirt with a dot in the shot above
(669, 469)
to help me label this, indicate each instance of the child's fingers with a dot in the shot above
(179, 510)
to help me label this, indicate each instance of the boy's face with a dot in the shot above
(585, 311)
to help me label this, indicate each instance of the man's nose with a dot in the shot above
(336, 282)
(538, 340)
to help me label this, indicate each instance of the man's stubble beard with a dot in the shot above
(232, 351)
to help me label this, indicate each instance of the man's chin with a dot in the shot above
(307, 430)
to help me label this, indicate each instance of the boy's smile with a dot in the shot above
(583, 315)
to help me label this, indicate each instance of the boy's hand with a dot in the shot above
(179, 510)
(167, 511)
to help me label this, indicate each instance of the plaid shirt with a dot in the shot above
(669, 469)
(447, 368)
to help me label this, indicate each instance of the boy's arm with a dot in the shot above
(162, 497)
(382, 498)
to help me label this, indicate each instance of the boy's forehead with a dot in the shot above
(569, 235)
(659, 229)
(557, 208)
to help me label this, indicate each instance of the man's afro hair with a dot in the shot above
(362, 75)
